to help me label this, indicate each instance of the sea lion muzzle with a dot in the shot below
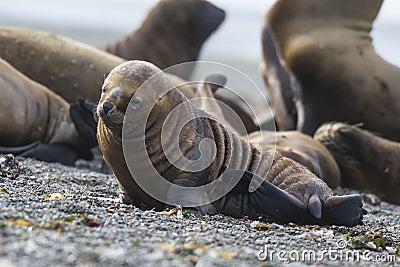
(107, 106)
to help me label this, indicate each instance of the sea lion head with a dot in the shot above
(119, 87)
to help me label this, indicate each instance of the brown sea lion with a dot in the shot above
(67, 67)
(366, 161)
(288, 191)
(327, 45)
(37, 123)
(173, 32)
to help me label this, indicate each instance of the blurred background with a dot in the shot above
(237, 43)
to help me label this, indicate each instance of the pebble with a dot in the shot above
(89, 227)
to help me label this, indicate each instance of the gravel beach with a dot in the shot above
(53, 215)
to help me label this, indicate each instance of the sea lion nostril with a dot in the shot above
(107, 106)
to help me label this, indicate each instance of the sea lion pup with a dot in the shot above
(288, 191)
(366, 161)
(173, 32)
(328, 47)
(37, 123)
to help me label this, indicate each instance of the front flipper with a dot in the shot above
(82, 116)
(187, 179)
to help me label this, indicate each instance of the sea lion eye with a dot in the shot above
(103, 88)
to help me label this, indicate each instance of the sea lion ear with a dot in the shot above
(81, 113)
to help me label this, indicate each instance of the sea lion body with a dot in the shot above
(288, 191)
(328, 47)
(172, 33)
(303, 149)
(67, 67)
(31, 113)
(366, 161)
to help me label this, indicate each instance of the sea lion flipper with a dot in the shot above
(343, 210)
(81, 113)
(52, 153)
(274, 202)
(19, 149)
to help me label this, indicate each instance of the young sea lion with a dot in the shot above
(173, 32)
(287, 191)
(328, 47)
(36, 122)
(366, 161)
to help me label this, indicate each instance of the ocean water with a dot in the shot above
(236, 43)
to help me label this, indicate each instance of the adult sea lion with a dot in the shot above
(173, 32)
(366, 161)
(37, 123)
(328, 47)
(288, 191)
(69, 68)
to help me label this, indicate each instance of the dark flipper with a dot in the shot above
(81, 113)
(343, 210)
(52, 153)
(272, 201)
(282, 207)
(18, 149)
(48, 152)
